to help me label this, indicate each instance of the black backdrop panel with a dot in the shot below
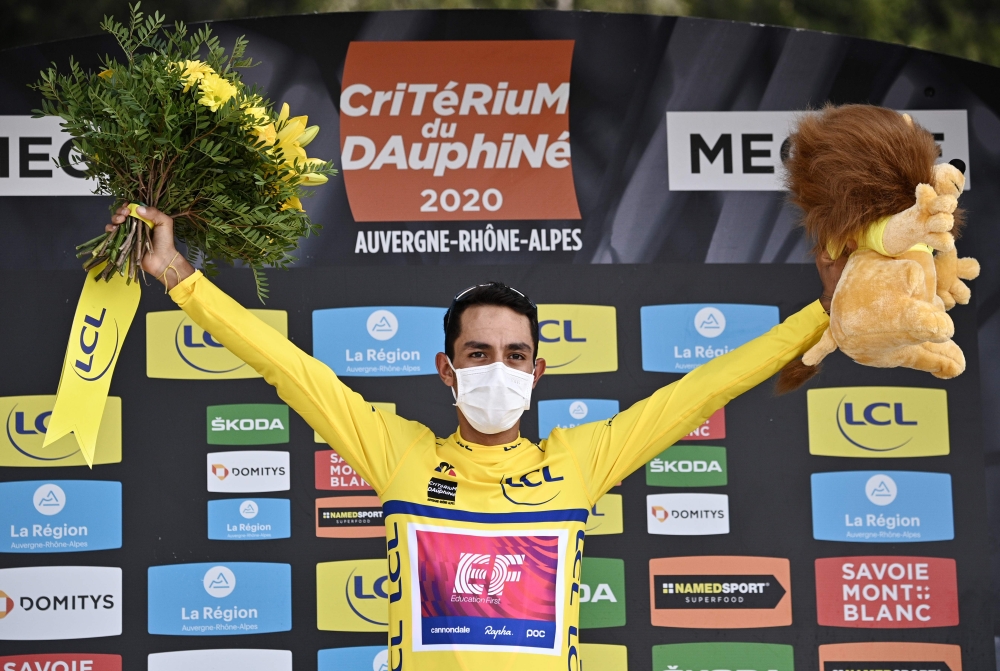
(767, 443)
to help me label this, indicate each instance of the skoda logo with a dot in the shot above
(219, 581)
(49, 499)
(710, 322)
(382, 325)
(881, 490)
(578, 410)
(248, 509)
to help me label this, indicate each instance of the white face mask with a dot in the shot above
(492, 397)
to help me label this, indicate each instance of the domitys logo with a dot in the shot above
(445, 131)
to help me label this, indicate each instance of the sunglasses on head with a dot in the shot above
(465, 292)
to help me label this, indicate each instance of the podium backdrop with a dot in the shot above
(624, 171)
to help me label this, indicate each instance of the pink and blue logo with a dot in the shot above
(487, 592)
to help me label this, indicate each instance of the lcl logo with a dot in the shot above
(90, 337)
(552, 335)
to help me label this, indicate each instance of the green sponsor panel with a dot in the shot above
(689, 466)
(723, 657)
(247, 424)
(602, 593)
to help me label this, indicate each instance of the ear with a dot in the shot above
(444, 370)
(539, 371)
(908, 119)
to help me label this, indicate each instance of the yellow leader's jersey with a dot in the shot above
(485, 543)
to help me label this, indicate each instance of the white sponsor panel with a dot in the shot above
(28, 148)
(60, 602)
(248, 471)
(687, 514)
(221, 660)
(741, 151)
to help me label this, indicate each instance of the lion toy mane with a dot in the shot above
(866, 180)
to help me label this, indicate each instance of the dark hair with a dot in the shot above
(491, 293)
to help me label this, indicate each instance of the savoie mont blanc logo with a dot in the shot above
(718, 592)
(882, 507)
(249, 519)
(26, 421)
(570, 412)
(688, 466)
(333, 473)
(886, 592)
(179, 349)
(679, 338)
(219, 599)
(744, 656)
(878, 422)
(60, 516)
(60, 602)
(247, 424)
(378, 341)
(578, 338)
(61, 661)
(352, 595)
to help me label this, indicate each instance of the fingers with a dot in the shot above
(154, 215)
(941, 222)
(943, 242)
(960, 293)
(941, 204)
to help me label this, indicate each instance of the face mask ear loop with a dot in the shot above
(453, 394)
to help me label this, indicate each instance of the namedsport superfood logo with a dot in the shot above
(720, 592)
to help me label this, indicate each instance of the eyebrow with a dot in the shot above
(516, 346)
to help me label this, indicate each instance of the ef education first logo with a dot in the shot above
(178, 349)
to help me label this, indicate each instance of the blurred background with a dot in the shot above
(966, 28)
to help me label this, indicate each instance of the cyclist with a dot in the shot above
(484, 529)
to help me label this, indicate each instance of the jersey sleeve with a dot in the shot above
(608, 451)
(371, 441)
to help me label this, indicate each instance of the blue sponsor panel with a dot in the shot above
(491, 631)
(60, 516)
(219, 599)
(565, 413)
(249, 519)
(679, 338)
(378, 341)
(362, 658)
(882, 507)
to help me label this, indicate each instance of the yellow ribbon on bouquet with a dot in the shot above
(103, 316)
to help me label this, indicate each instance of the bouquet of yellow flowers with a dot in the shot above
(173, 126)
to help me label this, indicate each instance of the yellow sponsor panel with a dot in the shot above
(601, 657)
(384, 407)
(606, 517)
(879, 422)
(26, 422)
(179, 349)
(352, 595)
(578, 338)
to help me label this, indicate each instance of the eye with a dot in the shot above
(477, 355)
(519, 357)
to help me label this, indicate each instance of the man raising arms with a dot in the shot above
(484, 529)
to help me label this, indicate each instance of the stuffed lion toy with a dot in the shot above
(866, 180)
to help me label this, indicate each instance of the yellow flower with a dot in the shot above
(265, 133)
(215, 91)
(107, 74)
(291, 139)
(292, 203)
(194, 72)
(258, 115)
